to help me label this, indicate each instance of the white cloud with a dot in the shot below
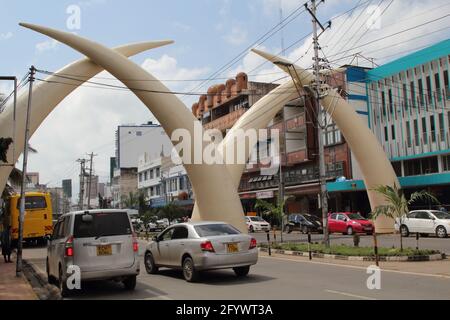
(237, 36)
(6, 36)
(47, 45)
(182, 27)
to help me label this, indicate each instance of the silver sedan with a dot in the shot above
(195, 247)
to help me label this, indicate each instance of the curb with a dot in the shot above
(433, 257)
(38, 281)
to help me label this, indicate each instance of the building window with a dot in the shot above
(433, 129)
(393, 132)
(429, 90)
(422, 102)
(391, 102)
(145, 176)
(416, 133)
(446, 162)
(408, 133)
(386, 134)
(151, 174)
(413, 93)
(424, 130)
(140, 177)
(421, 166)
(437, 82)
(405, 97)
(397, 168)
(383, 103)
(158, 172)
(441, 127)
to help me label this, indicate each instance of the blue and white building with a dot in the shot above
(406, 103)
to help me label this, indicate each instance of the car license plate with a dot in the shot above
(232, 247)
(104, 250)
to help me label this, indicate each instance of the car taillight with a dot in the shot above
(135, 243)
(207, 246)
(69, 247)
(253, 244)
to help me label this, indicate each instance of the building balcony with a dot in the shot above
(292, 177)
(225, 122)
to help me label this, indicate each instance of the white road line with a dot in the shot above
(350, 295)
(441, 276)
(157, 295)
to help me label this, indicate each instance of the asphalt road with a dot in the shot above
(272, 278)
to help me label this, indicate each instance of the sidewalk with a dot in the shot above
(11, 287)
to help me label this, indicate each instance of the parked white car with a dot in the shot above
(100, 242)
(426, 222)
(255, 224)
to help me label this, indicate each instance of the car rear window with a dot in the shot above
(102, 225)
(211, 230)
(33, 203)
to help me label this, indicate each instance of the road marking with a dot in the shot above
(350, 295)
(364, 268)
(157, 295)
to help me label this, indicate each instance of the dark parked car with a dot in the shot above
(303, 222)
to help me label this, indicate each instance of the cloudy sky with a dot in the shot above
(208, 34)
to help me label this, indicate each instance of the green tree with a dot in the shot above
(131, 201)
(171, 212)
(396, 206)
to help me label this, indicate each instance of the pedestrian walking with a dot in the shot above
(6, 245)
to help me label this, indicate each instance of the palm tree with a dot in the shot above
(397, 204)
(277, 211)
(131, 201)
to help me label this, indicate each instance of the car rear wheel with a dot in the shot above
(130, 283)
(349, 231)
(241, 271)
(150, 265)
(404, 231)
(251, 229)
(62, 284)
(441, 232)
(50, 278)
(189, 272)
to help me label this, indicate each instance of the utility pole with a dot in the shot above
(321, 121)
(82, 175)
(92, 155)
(24, 175)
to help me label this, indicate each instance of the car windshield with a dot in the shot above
(441, 215)
(102, 225)
(257, 219)
(355, 216)
(212, 230)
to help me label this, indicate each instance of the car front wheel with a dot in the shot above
(441, 232)
(189, 272)
(241, 271)
(150, 265)
(349, 231)
(404, 231)
(130, 283)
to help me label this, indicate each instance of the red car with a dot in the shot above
(349, 223)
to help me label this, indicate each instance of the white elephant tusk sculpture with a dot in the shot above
(214, 189)
(47, 95)
(375, 166)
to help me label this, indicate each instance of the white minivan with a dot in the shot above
(101, 243)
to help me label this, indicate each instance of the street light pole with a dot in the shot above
(19, 266)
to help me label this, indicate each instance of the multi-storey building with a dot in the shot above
(223, 106)
(131, 142)
(408, 110)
